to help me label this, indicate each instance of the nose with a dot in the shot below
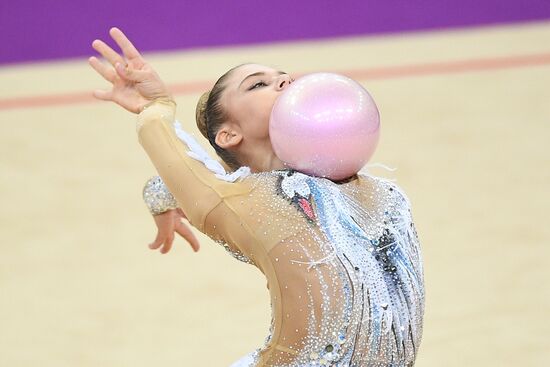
(283, 81)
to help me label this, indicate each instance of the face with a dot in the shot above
(251, 91)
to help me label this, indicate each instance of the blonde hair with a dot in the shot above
(200, 114)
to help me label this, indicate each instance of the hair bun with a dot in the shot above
(200, 114)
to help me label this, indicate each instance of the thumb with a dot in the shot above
(130, 74)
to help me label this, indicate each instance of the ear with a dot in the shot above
(228, 137)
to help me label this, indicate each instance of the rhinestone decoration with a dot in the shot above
(157, 197)
(347, 285)
(359, 249)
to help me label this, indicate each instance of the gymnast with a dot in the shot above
(341, 258)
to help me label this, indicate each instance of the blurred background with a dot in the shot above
(462, 87)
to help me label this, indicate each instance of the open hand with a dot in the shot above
(169, 223)
(134, 82)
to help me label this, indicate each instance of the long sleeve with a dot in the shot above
(195, 187)
(342, 261)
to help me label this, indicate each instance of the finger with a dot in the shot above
(106, 72)
(189, 236)
(155, 245)
(128, 49)
(157, 242)
(167, 244)
(107, 52)
(130, 74)
(104, 95)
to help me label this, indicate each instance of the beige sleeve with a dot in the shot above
(196, 189)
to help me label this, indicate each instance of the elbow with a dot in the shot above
(197, 207)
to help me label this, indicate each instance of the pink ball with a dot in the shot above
(325, 125)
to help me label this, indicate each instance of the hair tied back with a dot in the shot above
(200, 114)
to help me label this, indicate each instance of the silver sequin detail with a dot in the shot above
(367, 265)
(157, 197)
(235, 253)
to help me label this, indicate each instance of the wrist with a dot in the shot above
(166, 100)
(159, 109)
(157, 197)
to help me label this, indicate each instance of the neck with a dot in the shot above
(262, 158)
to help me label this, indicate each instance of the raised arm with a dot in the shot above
(196, 189)
(138, 88)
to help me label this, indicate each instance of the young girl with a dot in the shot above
(342, 259)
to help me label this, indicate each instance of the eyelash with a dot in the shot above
(255, 84)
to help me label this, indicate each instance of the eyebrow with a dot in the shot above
(259, 73)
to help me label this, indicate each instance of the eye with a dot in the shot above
(257, 85)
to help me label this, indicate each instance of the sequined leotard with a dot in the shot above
(342, 260)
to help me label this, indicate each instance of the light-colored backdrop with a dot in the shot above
(465, 120)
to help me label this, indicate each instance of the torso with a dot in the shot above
(344, 270)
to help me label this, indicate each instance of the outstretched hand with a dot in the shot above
(134, 82)
(169, 223)
(134, 85)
